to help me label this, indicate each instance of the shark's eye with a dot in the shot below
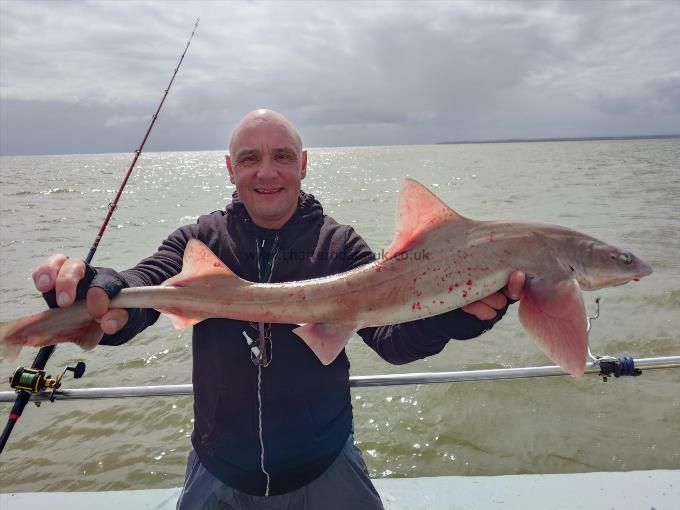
(625, 258)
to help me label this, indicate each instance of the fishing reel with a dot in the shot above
(34, 380)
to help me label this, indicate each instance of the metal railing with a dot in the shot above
(357, 381)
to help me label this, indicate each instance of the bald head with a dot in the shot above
(267, 164)
(260, 117)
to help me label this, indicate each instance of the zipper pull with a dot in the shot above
(255, 352)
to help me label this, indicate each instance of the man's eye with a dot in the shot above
(247, 159)
(284, 157)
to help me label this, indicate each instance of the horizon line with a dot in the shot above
(455, 142)
(563, 139)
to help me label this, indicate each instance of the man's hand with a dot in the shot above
(486, 309)
(62, 274)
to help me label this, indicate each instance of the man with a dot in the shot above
(273, 426)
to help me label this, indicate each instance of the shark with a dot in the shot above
(439, 261)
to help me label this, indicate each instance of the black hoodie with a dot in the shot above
(304, 408)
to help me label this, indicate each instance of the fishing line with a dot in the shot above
(44, 353)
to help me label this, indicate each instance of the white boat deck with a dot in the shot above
(634, 490)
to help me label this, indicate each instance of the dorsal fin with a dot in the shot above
(198, 266)
(419, 211)
(198, 261)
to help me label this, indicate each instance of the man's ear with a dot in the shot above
(303, 168)
(227, 158)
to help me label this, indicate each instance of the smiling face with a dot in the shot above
(267, 163)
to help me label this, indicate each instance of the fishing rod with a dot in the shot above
(34, 376)
(356, 381)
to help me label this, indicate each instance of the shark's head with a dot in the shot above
(603, 265)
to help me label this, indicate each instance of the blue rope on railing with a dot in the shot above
(618, 367)
(626, 366)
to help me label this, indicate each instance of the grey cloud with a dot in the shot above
(665, 93)
(346, 73)
(656, 96)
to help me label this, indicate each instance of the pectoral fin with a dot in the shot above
(326, 339)
(554, 315)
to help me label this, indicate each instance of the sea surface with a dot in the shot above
(626, 192)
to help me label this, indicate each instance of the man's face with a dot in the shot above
(267, 163)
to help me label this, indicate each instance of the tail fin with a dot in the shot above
(200, 268)
(90, 336)
(9, 352)
(57, 325)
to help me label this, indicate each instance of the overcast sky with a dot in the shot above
(84, 77)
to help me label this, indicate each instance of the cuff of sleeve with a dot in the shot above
(109, 280)
(101, 277)
(460, 325)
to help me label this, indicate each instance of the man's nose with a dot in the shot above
(267, 169)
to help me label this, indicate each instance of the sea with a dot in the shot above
(626, 192)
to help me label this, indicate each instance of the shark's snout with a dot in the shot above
(642, 269)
